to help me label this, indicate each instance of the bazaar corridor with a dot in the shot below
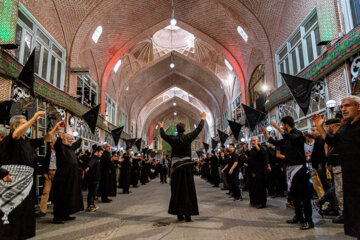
(143, 215)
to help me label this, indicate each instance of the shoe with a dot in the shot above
(136, 186)
(289, 205)
(223, 189)
(58, 221)
(126, 192)
(339, 220)
(180, 218)
(261, 206)
(187, 219)
(68, 218)
(40, 214)
(216, 186)
(91, 208)
(106, 200)
(238, 199)
(306, 225)
(228, 193)
(293, 221)
(96, 207)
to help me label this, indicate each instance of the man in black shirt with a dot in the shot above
(257, 161)
(94, 173)
(297, 177)
(234, 166)
(347, 140)
(18, 149)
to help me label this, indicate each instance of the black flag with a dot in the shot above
(253, 116)
(9, 109)
(223, 136)
(300, 88)
(235, 128)
(26, 76)
(149, 151)
(116, 133)
(199, 153)
(206, 146)
(130, 142)
(153, 154)
(214, 143)
(138, 144)
(91, 117)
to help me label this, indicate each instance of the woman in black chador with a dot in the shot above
(183, 200)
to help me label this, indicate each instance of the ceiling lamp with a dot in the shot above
(174, 104)
(175, 113)
(173, 22)
(264, 87)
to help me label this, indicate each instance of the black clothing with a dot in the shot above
(301, 195)
(294, 147)
(347, 141)
(183, 194)
(3, 173)
(318, 153)
(125, 173)
(135, 172)
(215, 170)
(108, 176)
(181, 144)
(233, 178)
(66, 186)
(257, 160)
(22, 218)
(163, 171)
(295, 155)
(94, 171)
(334, 157)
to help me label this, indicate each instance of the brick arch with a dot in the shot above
(120, 52)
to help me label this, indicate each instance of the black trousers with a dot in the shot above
(234, 184)
(301, 196)
(163, 175)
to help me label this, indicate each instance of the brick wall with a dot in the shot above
(336, 84)
(4, 89)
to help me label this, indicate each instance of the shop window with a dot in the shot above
(50, 58)
(225, 120)
(87, 91)
(110, 110)
(236, 108)
(300, 50)
(256, 84)
(124, 120)
(351, 13)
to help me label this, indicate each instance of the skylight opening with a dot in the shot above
(228, 65)
(117, 65)
(97, 33)
(242, 33)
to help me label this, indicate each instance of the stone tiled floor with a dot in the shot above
(143, 215)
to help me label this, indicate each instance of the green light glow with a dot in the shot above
(327, 20)
(8, 19)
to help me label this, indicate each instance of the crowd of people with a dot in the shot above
(67, 172)
(321, 164)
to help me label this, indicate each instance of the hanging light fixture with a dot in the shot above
(172, 20)
(172, 23)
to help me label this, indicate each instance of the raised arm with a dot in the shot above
(163, 135)
(191, 136)
(77, 144)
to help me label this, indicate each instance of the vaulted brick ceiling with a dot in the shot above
(127, 23)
